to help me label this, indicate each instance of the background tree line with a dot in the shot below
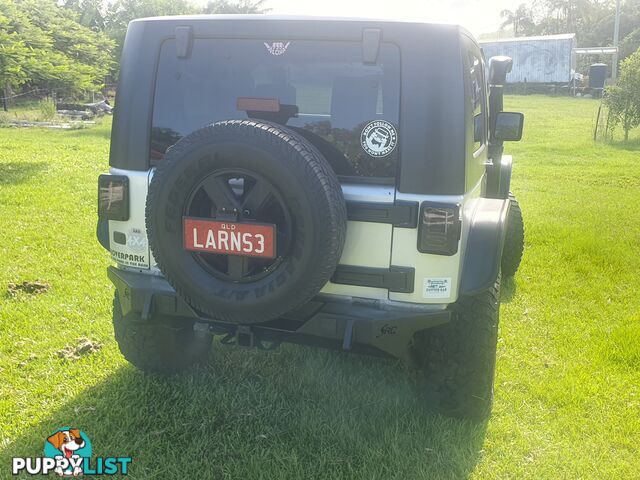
(593, 23)
(73, 46)
(591, 20)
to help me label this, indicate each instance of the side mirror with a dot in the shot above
(509, 126)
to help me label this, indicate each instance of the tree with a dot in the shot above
(42, 45)
(13, 49)
(90, 13)
(630, 43)
(623, 99)
(69, 56)
(121, 12)
(591, 20)
(242, 6)
(521, 20)
(509, 18)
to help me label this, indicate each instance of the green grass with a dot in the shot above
(567, 398)
(42, 110)
(32, 110)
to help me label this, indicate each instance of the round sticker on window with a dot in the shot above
(379, 138)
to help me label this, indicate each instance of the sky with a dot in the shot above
(477, 16)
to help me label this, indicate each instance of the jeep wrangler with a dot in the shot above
(328, 182)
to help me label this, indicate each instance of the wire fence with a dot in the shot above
(48, 107)
(17, 95)
(11, 99)
(38, 93)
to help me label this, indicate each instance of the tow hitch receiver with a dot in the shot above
(244, 336)
(321, 323)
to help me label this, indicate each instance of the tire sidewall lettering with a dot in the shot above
(187, 163)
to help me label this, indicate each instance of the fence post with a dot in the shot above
(5, 94)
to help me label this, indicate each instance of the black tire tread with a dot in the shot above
(457, 359)
(316, 166)
(160, 345)
(514, 241)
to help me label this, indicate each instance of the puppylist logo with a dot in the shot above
(67, 452)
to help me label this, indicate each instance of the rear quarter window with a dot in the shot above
(335, 93)
(478, 101)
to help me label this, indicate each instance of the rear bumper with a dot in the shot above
(329, 322)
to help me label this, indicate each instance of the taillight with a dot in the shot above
(439, 228)
(113, 197)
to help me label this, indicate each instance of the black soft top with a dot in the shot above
(432, 92)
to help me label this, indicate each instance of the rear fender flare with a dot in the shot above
(499, 177)
(485, 241)
(102, 232)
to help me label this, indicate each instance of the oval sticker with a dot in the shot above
(379, 138)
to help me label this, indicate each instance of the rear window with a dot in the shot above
(349, 110)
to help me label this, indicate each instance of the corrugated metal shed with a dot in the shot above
(545, 59)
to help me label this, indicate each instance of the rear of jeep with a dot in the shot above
(336, 183)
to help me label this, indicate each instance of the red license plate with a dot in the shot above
(231, 238)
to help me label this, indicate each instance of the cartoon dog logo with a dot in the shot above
(68, 442)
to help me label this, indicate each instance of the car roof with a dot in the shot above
(270, 17)
(293, 19)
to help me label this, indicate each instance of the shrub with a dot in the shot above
(623, 99)
(47, 108)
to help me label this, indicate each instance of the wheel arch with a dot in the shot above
(499, 177)
(485, 242)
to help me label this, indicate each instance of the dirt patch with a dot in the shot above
(84, 347)
(28, 360)
(30, 288)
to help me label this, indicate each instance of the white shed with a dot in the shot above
(544, 59)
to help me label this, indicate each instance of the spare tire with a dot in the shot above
(256, 172)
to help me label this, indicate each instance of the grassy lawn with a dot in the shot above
(567, 391)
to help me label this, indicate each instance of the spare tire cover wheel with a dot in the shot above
(250, 175)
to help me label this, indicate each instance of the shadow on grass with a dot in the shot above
(12, 173)
(508, 289)
(91, 131)
(630, 145)
(292, 413)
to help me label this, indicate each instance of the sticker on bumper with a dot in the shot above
(135, 250)
(436, 287)
(130, 259)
